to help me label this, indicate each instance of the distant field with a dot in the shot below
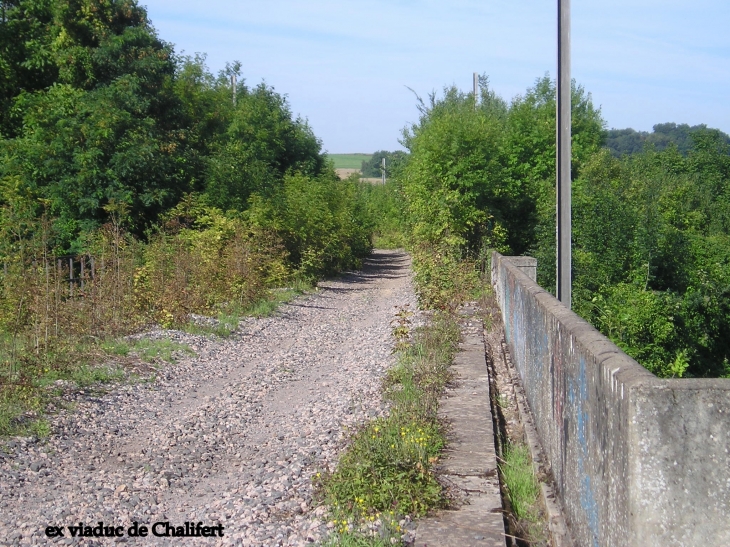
(349, 161)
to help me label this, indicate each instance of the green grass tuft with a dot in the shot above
(230, 317)
(146, 349)
(521, 484)
(387, 468)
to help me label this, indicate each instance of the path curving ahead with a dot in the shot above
(231, 437)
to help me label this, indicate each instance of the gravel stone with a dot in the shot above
(230, 436)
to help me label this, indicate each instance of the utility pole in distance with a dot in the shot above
(233, 86)
(563, 149)
(383, 170)
(476, 88)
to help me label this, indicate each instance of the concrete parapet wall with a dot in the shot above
(636, 460)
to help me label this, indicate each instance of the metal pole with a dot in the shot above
(233, 86)
(383, 169)
(563, 236)
(476, 88)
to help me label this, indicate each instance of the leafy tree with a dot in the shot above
(529, 155)
(260, 146)
(26, 59)
(452, 180)
(531, 131)
(476, 171)
(650, 255)
(99, 119)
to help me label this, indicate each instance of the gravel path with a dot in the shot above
(230, 437)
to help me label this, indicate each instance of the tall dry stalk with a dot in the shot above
(201, 271)
(51, 307)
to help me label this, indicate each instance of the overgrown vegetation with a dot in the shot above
(651, 240)
(135, 190)
(384, 204)
(386, 471)
(474, 170)
(651, 248)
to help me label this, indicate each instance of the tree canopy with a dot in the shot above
(651, 246)
(95, 108)
(373, 167)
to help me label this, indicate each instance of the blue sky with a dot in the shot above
(345, 65)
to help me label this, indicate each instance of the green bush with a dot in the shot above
(322, 222)
(384, 206)
(444, 278)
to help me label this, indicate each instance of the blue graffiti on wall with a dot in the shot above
(578, 398)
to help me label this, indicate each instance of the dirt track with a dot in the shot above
(230, 437)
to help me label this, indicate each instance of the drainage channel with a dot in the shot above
(539, 523)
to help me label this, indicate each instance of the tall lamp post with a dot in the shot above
(563, 183)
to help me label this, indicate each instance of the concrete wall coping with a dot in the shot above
(629, 371)
(637, 460)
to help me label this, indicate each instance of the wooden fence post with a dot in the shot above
(71, 277)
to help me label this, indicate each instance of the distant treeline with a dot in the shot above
(629, 141)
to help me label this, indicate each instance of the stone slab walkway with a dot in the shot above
(469, 463)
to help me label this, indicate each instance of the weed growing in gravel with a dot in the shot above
(377, 530)
(276, 297)
(229, 318)
(146, 349)
(18, 411)
(355, 539)
(401, 329)
(502, 401)
(88, 375)
(387, 467)
(25, 394)
(221, 330)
